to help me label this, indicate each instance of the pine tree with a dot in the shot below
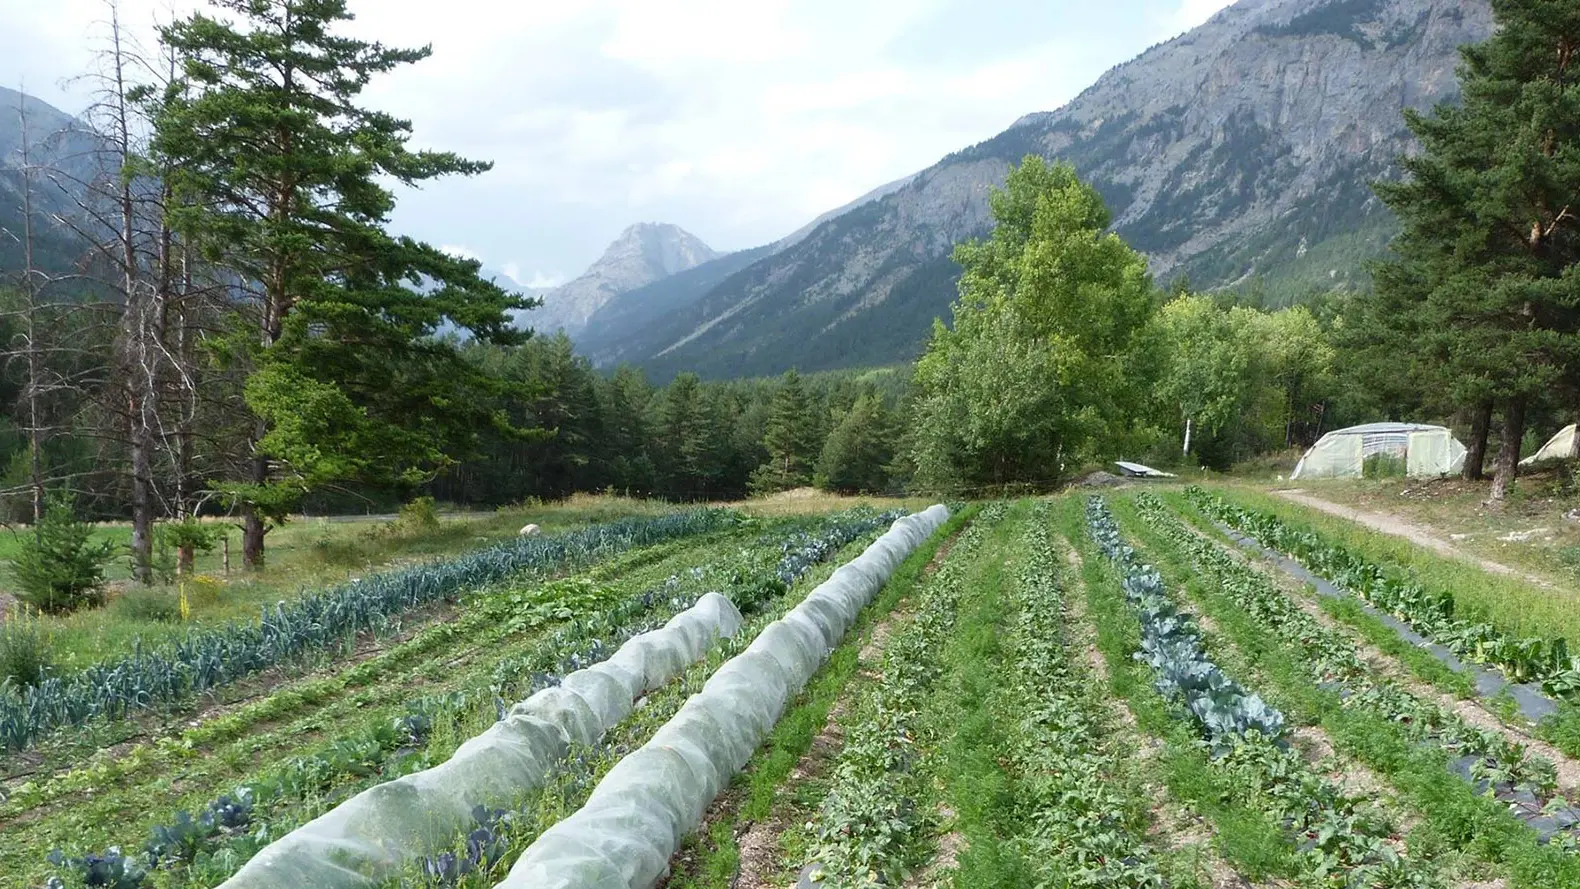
(283, 178)
(790, 437)
(1481, 282)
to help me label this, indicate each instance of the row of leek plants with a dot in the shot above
(200, 851)
(1344, 842)
(207, 659)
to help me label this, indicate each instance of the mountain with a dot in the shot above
(635, 324)
(642, 254)
(1239, 150)
(58, 147)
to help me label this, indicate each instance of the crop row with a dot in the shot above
(1343, 842)
(207, 659)
(1525, 781)
(1431, 613)
(387, 749)
(474, 864)
(871, 821)
(1078, 835)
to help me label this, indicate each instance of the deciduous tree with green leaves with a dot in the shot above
(1482, 280)
(1043, 368)
(283, 178)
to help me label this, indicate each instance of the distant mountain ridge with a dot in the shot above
(1240, 149)
(642, 254)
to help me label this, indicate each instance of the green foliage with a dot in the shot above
(1246, 380)
(856, 455)
(25, 651)
(791, 437)
(1479, 298)
(280, 177)
(148, 603)
(420, 515)
(1044, 368)
(58, 567)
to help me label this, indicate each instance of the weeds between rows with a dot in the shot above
(1380, 726)
(502, 673)
(712, 857)
(1341, 840)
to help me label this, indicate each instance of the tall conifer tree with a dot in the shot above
(285, 180)
(1483, 280)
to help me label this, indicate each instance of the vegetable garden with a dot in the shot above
(1073, 691)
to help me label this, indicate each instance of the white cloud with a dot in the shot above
(541, 280)
(1191, 14)
(460, 252)
(737, 120)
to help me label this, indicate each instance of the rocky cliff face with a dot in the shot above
(644, 253)
(1240, 149)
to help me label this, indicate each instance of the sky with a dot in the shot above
(738, 120)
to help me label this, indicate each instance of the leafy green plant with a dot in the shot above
(187, 538)
(109, 869)
(58, 568)
(25, 651)
(152, 604)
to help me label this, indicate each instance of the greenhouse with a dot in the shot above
(1382, 449)
(1562, 446)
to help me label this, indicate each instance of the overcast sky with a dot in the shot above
(739, 120)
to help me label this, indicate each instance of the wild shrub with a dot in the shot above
(25, 655)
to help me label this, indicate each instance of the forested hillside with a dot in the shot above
(1237, 154)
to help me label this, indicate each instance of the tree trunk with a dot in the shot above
(1186, 451)
(1476, 454)
(142, 505)
(1509, 448)
(186, 556)
(252, 526)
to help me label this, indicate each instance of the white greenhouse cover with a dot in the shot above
(1426, 450)
(1560, 447)
(635, 819)
(372, 836)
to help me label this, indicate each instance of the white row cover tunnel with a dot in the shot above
(635, 819)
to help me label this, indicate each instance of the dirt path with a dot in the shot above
(1398, 527)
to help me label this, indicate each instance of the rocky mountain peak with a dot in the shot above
(643, 253)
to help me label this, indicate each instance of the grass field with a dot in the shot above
(1009, 710)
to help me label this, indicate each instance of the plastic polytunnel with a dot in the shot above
(372, 836)
(1420, 450)
(635, 819)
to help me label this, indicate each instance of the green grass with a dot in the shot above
(1247, 838)
(304, 555)
(1455, 820)
(714, 856)
(1516, 607)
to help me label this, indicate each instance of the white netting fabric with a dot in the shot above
(633, 822)
(378, 832)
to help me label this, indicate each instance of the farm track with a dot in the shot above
(1471, 835)
(1404, 529)
(123, 805)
